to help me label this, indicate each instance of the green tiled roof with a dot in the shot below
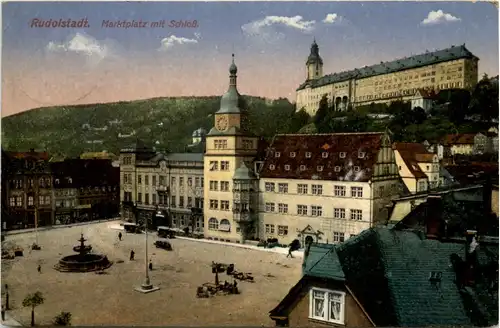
(389, 270)
(323, 262)
(428, 58)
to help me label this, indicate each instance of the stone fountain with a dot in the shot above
(84, 261)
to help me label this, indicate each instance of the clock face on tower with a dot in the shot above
(221, 123)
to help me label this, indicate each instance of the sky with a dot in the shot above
(101, 61)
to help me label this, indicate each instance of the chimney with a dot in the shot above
(434, 225)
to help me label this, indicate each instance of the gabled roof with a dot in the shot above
(348, 156)
(322, 262)
(459, 139)
(412, 153)
(428, 58)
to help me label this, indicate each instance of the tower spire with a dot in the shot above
(232, 73)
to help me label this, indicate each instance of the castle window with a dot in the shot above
(292, 154)
(308, 154)
(287, 167)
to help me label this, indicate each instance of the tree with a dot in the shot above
(63, 319)
(484, 99)
(322, 113)
(33, 300)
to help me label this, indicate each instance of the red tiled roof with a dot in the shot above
(412, 153)
(459, 139)
(44, 156)
(350, 156)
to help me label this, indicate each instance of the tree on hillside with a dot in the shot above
(457, 103)
(484, 99)
(322, 113)
(63, 319)
(299, 119)
(32, 301)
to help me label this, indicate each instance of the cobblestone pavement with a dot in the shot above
(110, 299)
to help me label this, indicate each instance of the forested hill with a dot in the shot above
(166, 123)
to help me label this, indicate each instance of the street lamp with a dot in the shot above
(147, 286)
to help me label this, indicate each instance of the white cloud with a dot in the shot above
(259, 27)
(332, 19)
(83, 44)
(438, 17)
(171, 41)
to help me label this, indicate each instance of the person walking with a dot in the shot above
(3, 312)
(132, 253)
(120, 236)
(39, 268)
(150, 265)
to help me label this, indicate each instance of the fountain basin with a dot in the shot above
(83, 263)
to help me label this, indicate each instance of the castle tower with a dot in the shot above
(314, 64)
(229, 145)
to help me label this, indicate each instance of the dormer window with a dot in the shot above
(356, 169)
(361, 154)
(302, 167)
(308, 154)
(292, 154)
(337, 168)
(319, 168)
(277, 154)
(342, 154)
(272, 167)
(287, 167)
(324, 155)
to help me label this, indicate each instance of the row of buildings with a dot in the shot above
(320, 187)
(400, 79)
(39, 192)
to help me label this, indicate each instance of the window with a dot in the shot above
(224, 205)
(342, 155)
(214, 166)
(181, 201)
(214, 185)
(196, 182)
(282, 230)
(283, 208)
(316, 210)
(224, 165)
(213, 224)
(154, 199)
(338, 237)
(287, 167)
(339, 213)
(327, 305)
(247, 144)
(41, 200)
(12, 201)
(172, 201)
(302, 167)
(301, 209)
(139, 179)
(146, 200)
(272, 167)
(337, 168)
(224, 186)
(30, 200)
(421, 185)
(277, 154)
(339, 191)
(319, 168)
(302, 189)
(270, 228)
(190, 182)
(283, 188)
(146, 180)
(214, 204)
(220, 144)
(181, 182)
(269, 207)
(292, 154)
(172, 181)
(154, 180)
(357, 215)
(356, 169)
(162, 180)
(324, 155)
(357, 192)
(361, 154)
(317, 189)
(308, 154)
(270, 186)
